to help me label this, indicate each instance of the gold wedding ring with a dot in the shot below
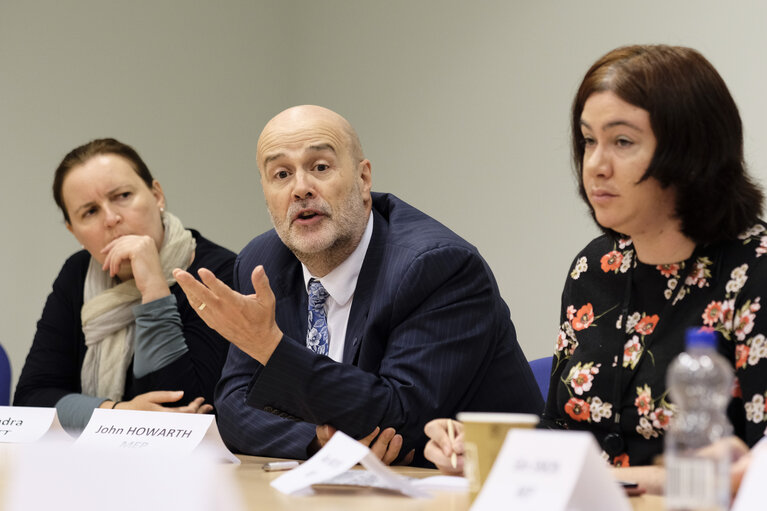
(201, 307)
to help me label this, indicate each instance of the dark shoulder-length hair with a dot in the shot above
(698, 131)
(80, 155)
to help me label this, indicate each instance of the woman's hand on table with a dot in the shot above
(153, 401)
(740, 457)
(439, 450)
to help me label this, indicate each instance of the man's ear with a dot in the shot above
(366, 177)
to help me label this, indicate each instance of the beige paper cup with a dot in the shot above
(483, 436)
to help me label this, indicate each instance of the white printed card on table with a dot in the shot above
(155, 432)
(751, 493)
(65, 477)
(551, 470)
(339, 455)
(27, 424)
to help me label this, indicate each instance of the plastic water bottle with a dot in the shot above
(700, 383)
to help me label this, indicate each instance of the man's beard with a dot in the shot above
(333, 241)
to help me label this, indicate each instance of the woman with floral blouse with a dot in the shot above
(658, 152)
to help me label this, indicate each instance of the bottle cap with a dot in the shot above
(700, 338)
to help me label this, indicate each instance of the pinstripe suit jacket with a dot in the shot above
(428, 336)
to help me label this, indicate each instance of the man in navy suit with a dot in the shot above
(413, 326)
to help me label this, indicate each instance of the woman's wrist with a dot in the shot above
(154, 291)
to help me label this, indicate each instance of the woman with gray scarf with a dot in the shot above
(116, 330)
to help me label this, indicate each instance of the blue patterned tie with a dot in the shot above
(317, 337)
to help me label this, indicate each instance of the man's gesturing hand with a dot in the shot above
(247, 321)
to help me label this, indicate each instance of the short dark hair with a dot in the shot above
(80, 155)
(698, 131)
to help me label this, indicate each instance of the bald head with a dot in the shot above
(305, 121)
(316, 184)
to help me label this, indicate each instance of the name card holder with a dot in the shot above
(340, 454)
(27, 424)
(551, 470)
(751, 493)
(64, 477)
(155, 432)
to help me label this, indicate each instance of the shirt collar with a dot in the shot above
(342, 280)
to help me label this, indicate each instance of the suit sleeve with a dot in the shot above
(249, 430)
(429, 356)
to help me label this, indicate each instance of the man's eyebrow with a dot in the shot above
(272, 157)
(321, 147)
(313, 148)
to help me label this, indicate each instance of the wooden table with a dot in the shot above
(257, 494)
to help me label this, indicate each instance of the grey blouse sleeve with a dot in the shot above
(159, 335)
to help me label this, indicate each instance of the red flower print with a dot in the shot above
(611, 261)
(647, 324)
(668, 270)
(712, 314)
(578, 409)
(698, 271)
(743, 323)
(741, 355)
(583, 318)
(631, 348)
(728, 311)
(661, 418)
(736, 392)
(622, 460)
(581, 382)
(643, 402)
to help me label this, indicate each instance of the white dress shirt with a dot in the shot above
(340, 284)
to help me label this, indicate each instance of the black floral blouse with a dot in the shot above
(624, 321)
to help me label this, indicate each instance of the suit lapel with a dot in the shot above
(363, 291)
(291, 299)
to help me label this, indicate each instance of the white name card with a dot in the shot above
(63, 477)
(337, 456)
(751, 493)
(155, 432)
(26, 424)
(551, 470)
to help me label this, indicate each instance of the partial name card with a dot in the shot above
(155, 432)
(63, 477)
(552, 470)
(751, 493)
(27, 424)
(339, 455)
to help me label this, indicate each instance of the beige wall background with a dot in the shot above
(461, 106)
